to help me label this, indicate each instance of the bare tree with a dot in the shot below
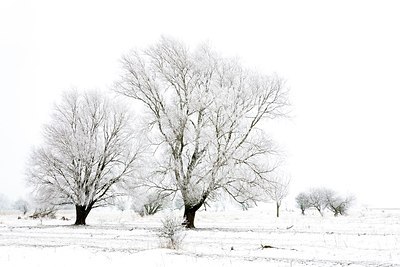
(317, 199)
(21, 205)
(203, 112)
(338, 204)
(278, 190)
(302, 202)
(88, 150)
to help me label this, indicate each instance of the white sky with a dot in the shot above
(340, 59)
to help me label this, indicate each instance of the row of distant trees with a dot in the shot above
(316, 198)
(198, 136)
(323, 198)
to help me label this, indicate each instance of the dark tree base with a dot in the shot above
(81, 214)
(189, 218)
(190, 213)
(277, 210)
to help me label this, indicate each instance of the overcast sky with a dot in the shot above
(341, 61)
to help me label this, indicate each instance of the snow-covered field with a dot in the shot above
(228, 238)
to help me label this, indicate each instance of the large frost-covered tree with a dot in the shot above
(203, 111)
(89, 148)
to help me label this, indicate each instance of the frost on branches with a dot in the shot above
(88, 149)
(203, 113)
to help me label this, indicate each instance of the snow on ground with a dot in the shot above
(227, 238)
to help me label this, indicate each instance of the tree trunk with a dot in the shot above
(336, 213)
(303, 211)
(189, 215)
(81, 214)
(277, 210)
(320, 212)
(190, 212)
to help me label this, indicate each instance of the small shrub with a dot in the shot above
(172, 232)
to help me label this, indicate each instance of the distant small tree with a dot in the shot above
(149, 204)
(317, 199)
(337, 204)
(22, 205)
(278, 190)
(302, 202)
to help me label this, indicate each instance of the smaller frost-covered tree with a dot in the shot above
(278, 190)
(338, 204)
(22, 205)
(302, 202)
(148, 203)
(89, 149)
(317, 199)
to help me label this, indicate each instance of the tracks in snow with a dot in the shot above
(202, 242)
